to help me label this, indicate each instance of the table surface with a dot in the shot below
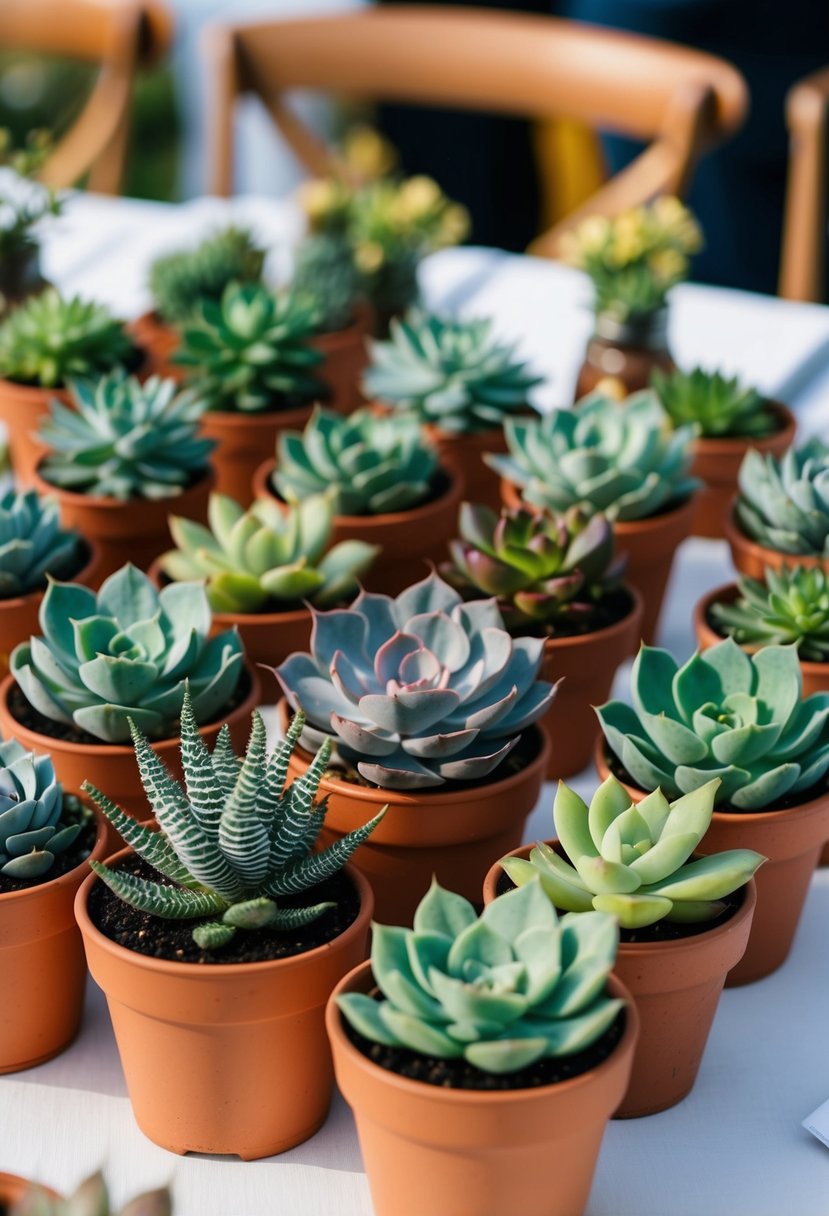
(735, 1146)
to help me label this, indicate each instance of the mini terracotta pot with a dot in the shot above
(22, 408)
(226, 1057)
(752, 558)
(717, 462)
(346, 358)
(43, 967)
(455, 1152)
(243, 442)
(465, 453)
(676, 986)
(13, 1189)
(160, 340)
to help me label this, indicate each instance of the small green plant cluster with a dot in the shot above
(33, 544)
(717, 405)
(49, 340)
(784, 504)
(790, 608)
(92, 1199)
(37, 823)
(326, 274)
(181, 281)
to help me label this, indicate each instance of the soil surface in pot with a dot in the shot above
(609, 610)
(440, 484)
(173, 940)
(79, 850)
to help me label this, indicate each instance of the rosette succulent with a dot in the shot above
(325, 273)
(626, 462)
(234, 837)
(36, 823)
(722, 714)
(125, 440)
(792, 606)
(125, 653)
(48, 340)
(500, 990)
(455, 374)
(715, 404)
(633, 861)
(92, 1199)
(545, 570)
(784, 504)
(373, 464)
(249, 558)
(180, 281)
(420, 689)
(33, 544)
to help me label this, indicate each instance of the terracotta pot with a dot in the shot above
(226, 1057)
(625, 352)
(346, 358)
(111, 766)
(243, 442)
(717, 462)
(43, 968)
(464, 453)
(751, 558)
(135, 530)
(409, 540)
(676, 986)
(447, 832)
(13, 1189)
(22, 408)
(160, 341)
(432, 1151)
(792, 840)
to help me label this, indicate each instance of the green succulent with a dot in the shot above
(784, 504)
(249, 558)
(125, 440)
(715, 404)
(92, 1199)
(374, 464)
(36, 822)
(234, 837)
(326, 274)
(543, 569)
(627, 463)
(455, 374)
(723, 714)
(792, 606)
(48, 340)
(500, 990)
(33, 544)
(249, 352)
(180, 281)
(633, 861)
(125, 653)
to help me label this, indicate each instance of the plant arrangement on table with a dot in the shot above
(230, 884)
(24, 205)
(91, 1198)
(463, 1043)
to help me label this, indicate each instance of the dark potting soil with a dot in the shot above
(173, 939)
(78, 851)
(609, 610)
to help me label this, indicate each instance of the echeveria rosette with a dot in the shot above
(790, 607)
(32, 830)
(715, 404)
(417, 690)
(627, 463)
(784, 504)
(501, 991)
(722, 714)
(33, 544)
(633, 861)
(126, 652)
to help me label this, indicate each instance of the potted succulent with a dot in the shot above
(44, 344)
(124, 653)
(740, 718)
(627, 464)
(781, 512)
(389, 488)
(460, 382)
(430, 703)
(684, 920)
(45, 838)
(120, 458)
(632, 260)
(91, 1198)
(24, 205)
(476, 1050)
(554, 577)
(263, 567)
(218, 940)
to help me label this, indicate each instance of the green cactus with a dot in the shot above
(326, 274)
(48, 340)
(784, 504)
(33, 544)
(37, 823)
(714, 404)
(180, 281)
(92, 1199)
(791, 607)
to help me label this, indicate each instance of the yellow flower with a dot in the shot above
(367, 153)
(369, 256)
(454, 225)
(668, 265)
(590, 236)
(418, 197)
(629, 238)
(319, 198)
(677, 223)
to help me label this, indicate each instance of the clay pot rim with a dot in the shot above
(511, 495)
(33, 391)
(21, 601)
(115, 505)
(63, 880)
(292, 616)
(637, 605)
(230, 421)
(361, 318)
(168, 967)
(730, 445)
(740, 543)
(61, 391)
(359, 980)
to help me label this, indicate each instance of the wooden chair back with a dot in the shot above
(803, 259)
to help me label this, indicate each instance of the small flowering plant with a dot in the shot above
(23, 202)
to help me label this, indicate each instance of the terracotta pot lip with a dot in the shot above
(291, 617)
(69, 878)
(637, 605)
(729, 445)
(21, 601)
(168, 967)
(33, 391)
(235, 420)
(116, 505)
(740, 542)
(357, 327)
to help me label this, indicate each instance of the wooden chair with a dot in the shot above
(803, 259)
(682, 101)
(122, 36)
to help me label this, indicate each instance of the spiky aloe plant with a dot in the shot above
(33, 544)
(36, 822)
(792, 606)
(715, 404)
(784, 504)
(49, 339)
(180, 281)
(234, 839)
(92, 1199)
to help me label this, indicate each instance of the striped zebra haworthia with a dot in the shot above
(234, 838)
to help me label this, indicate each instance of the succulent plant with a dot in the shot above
(92, 1199)
(249, 351)
(722, 714)
(627, 462)
(125, 652)
(180, 281)
(455, 374)
(420, 689)
(326, 274)
(792, 606)
(784, 504)
(48, 340)
(233, 839)
(34, 824)
(374, 464)
(502, 990)
(267, 553)
(544, 570)
(713, 403)
(633, 861)
(33, 544)
(125, 440)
